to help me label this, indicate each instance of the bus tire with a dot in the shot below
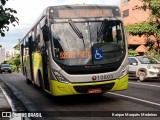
(28, 81)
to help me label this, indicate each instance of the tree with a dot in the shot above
(132, 52)
(17, 46)
(14, 62)
(150, 27)
(6, 17)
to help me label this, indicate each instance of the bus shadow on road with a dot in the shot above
(82, 99)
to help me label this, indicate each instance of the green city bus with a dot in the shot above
(76, 49)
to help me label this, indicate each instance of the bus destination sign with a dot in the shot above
(79, 54)
(69, 13)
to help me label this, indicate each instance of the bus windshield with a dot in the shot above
(88, 42)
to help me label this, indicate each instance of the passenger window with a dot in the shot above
(132, 60)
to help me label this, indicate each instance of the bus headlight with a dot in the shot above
(60, 77)
(123, 72)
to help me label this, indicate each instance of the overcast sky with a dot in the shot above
(29, 10)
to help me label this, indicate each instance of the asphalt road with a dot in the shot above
(141, 96)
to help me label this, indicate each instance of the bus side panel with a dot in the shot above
(28, 69)
(37, 65)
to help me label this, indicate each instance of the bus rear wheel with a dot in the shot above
(28, 81)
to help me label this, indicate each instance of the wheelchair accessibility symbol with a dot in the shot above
(97, 54)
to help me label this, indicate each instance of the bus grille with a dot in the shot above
(103, 87)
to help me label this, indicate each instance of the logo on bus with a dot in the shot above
(97, 54)
(94, 78)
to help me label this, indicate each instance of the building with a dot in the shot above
(2, 54)
(8, 55)
(131, 16)
(11, 53)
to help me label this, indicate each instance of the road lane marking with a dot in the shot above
(144, 84)
(134, 98)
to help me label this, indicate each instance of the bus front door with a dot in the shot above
(30, 57)
(45, 67)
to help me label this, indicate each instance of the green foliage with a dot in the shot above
(143, 28)
(14, 62)
(17, 47)
(6, 17)
(152, 26)
(150, 44)
(152, 53)
(132, 53)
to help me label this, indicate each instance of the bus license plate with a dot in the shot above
(92, 91)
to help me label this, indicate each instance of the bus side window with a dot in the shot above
(22, 49)
(24, 46)
(27, 46)
(34, 46)
(108, 36)
(38, 37)
(45, 33)
(30, 40)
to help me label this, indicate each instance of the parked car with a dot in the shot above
(5, 68)
(143, 67)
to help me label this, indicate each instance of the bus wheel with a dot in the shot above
(142, 76)
(28, 81)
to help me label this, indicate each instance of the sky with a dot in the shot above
(29, 10)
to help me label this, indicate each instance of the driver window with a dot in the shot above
(108, 36)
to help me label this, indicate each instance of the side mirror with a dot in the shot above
(45, 31)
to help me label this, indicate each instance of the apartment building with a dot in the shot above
(2, 54)
(131, 16)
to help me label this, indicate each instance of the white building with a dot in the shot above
(11, 53)
(2, 54)
(8, 54)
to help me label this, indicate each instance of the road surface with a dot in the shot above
(141, 96)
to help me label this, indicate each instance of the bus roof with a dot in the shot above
(79, 11)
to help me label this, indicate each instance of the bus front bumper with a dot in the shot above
(61, 89)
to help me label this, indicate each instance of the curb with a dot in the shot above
(4, 104)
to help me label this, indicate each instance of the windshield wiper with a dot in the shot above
(76, 30)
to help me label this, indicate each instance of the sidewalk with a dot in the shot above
(4, 105)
